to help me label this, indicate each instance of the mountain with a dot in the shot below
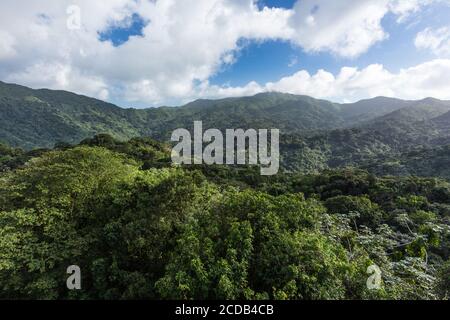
(425, 162)
(442, 122)
(412, 140)
(289, 113)
(444, 118)
(414, 111)
(398, 136)
(368, 109)
(141, 228)
(40, 118)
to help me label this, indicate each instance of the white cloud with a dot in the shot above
(430, 79)
(6, 45)
(347, 28)
(435, 40)
(61, 76)
(184, 44)
(403, 9)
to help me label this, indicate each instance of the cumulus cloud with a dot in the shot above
(347, 28)
(183, 44)
(430, 79)
(48, 74)
(435, 40)
(403, 9)
(6, 45)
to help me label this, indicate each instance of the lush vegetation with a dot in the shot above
(140, 228)
(361, 184)
(32, 119)
(381, 135)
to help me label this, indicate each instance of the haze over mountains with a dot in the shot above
(316, 134)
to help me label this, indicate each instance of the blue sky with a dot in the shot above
(266, 61)
(271, 60)
(144, 53)
(288, 4)
(121, 33)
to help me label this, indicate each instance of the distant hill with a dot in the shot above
(397, 136)
(316, 134)
(425, 162)
(40, 118)
(415, 111)
(404, 141)
(369, 109)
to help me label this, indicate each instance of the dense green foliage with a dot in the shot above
(381, 135)
(100, 196)
(140, 228)
(40, 118)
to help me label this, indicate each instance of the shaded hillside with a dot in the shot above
(423, 125)
(40, 118)
(424, 162)
(377, 134)
(368, 109)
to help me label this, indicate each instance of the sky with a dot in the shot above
(148, 53)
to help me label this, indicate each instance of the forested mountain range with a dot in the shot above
(393, 134)
(88, 183)
(39, 118)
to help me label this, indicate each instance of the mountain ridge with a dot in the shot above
(33, 118)
(268, 93)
